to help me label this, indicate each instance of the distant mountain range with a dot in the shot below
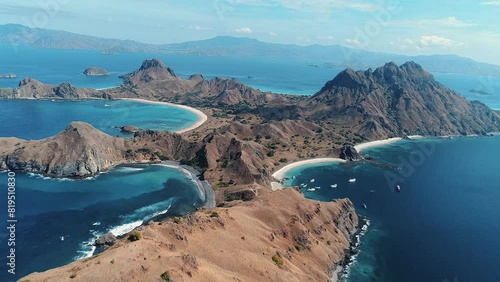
(314, 55)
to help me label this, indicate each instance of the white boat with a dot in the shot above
(352, 180)
(398, 188)
(62, 238)
(317, 187)
(333, 185)
(106, 105)
(372, 191)
(312, 180)
(311, 189)
(364, 206)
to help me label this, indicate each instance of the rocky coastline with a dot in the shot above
(343, 268)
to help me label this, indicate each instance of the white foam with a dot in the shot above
(86, 252)
(129, 169)
(161, 212)
(125, 228)
(87, 247)
(41, 176)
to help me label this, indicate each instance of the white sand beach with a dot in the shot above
(202, 117)
(280, 174)
(363, 146)
(414, 137)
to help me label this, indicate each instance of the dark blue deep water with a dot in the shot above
(80, 211)
(444, 225)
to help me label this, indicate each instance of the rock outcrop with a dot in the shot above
(78, 151)
(107, 239)
(94, 71)
(349, 153)
(129, 129)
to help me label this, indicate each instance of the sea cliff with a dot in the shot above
(279, 236)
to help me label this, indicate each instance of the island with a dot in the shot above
(256, 230)
(94, 71)
(6, 76)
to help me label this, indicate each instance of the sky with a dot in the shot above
(469, 28)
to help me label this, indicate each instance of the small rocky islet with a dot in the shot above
(95, 71)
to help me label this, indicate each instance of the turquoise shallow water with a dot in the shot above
(30, 119)
(443, 224)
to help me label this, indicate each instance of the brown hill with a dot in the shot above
(30, 88)
(78, 151)
(304, 238)
(150, 70)
(398, 101)
(154, 80)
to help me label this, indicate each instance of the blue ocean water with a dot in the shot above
(55, 66)
(443, 224)
(80, 211)
(281, 76)
(425, 233)
(28, 119)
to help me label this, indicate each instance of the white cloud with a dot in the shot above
(200, 28)
(450, 22)
(429, 42)
(433, 40)
(304, 39)
(328, 37)
(352, 42)
(491, 3)
(246, 30)
(316, 5)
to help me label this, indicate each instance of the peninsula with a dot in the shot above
(255, 234)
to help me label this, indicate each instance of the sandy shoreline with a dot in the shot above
(281, 173)
(363, 146)
(202, 117)
(205, 189)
